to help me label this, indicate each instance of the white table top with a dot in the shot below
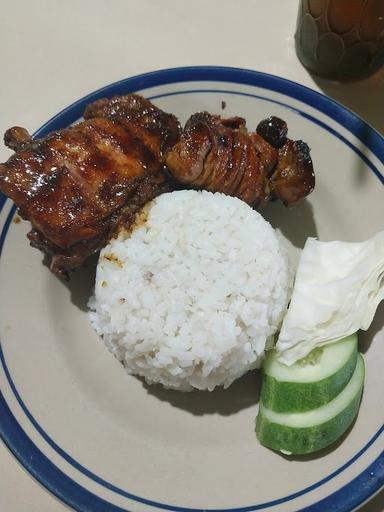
(53, 52)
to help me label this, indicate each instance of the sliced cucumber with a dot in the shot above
(310, 431)
(311, 382)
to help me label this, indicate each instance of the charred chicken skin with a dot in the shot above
(220, 155)
(77, 185)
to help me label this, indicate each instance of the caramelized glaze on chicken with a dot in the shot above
(77, 184)
(220, 155)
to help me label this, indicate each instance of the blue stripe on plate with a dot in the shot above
(66, 489)
(3, 198)
(40, 467)
(313, 119)
(350, 496)
(146, 501)
(356, 492)
(328, 106)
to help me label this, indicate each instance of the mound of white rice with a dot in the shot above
(191, 297)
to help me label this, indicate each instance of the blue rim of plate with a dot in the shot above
(351, 495)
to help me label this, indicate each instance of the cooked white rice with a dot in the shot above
(192, 295)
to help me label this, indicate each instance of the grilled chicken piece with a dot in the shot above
(293, 177)
(220, 155)
(274, 130)
(158, 130)
(77, 185)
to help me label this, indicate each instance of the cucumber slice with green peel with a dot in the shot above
(310, 382)
(310, 431)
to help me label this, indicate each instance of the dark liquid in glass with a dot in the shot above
(341, 39)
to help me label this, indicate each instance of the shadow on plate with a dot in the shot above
(366, 337)
(364, 97)
(296, 223)
(322, 453)
(243, 393)
(81, 282)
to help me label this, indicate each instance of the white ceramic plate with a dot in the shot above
(101, 440)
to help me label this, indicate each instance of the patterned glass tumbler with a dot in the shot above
(341, 39)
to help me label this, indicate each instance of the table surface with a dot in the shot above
(54, 52)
